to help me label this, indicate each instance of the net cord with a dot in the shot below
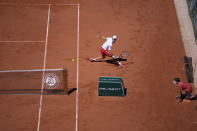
(33, 70)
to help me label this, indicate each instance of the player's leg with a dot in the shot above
(117, 60)
(99, 58)
(179, 100)
(121, 65)
(194, 97)
(103, 54)
(180, 97)
(188, 95)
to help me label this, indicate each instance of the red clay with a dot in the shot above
(147, 29)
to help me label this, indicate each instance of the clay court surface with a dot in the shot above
(147, 29)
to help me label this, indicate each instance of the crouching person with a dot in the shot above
(185, 89)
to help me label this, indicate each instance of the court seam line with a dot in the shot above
(77, 81)
(22, 41)
(34, 4)
(44, 67)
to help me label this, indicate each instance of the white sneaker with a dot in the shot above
(122, 66)
(92, 60)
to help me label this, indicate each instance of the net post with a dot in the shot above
(65, 81)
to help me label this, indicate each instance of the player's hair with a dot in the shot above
(177, 79)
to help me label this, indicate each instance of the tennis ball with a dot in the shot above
(73, 60)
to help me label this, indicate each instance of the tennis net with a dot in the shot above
(45, 81)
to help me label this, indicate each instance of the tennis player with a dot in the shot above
(182, 87)
(106, 50)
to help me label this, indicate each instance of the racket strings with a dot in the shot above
(124, 54)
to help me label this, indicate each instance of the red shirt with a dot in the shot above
(184, 87)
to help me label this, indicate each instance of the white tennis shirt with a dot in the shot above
(108, 43)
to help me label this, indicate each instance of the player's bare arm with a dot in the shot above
(101, 37)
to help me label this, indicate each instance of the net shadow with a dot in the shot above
(70, 91)
(32, 92)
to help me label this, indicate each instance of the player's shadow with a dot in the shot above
(114, 61)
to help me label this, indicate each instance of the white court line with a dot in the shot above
(77, 81)
(66, 4)
(22, 41)
(44, 67)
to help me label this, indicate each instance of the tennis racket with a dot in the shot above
(124, 54)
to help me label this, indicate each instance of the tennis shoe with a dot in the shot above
(180, 100)
(178, 97)
(92, 60)
(122, 66)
